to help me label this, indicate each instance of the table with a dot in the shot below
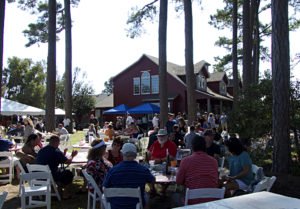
(88, 146)
(258, 200)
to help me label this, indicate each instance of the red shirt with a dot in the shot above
(198, 171)
(159, 152)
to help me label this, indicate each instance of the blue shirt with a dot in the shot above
(51, 156)
(127, 174)
(236, 164)
(5, 144)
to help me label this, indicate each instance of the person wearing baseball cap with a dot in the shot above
(128, 174)
(161, 147)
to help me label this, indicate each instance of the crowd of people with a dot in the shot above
(117, 167)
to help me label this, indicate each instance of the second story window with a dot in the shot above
(155, 84)
(201, 82)
(136, 86)
(145, 83)
(223, 88)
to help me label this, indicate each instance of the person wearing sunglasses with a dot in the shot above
(115, 155)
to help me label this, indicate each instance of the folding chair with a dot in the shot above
(2, 198)
(123, 192)
(7, 164)
(18, 162)
(39, 185)
(265, 184)
(44, 168)
(97, 194)
(203, 193)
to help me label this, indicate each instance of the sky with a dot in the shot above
(101, 47)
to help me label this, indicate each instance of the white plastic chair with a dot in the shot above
(18, 163)
(265, 184)
(43, 189)
(2, 198)
(203, 193)
(44, 168)
(221, 168)
(123, 192)
(8, 163)
(97, 195)
(64, 139)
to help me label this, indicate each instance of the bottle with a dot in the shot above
(146, 158)
(168, 163)
(178, 156)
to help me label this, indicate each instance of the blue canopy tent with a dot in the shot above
(121, 109)
(144, 109)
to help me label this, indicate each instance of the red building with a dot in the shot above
(139, 83)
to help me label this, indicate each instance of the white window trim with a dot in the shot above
(141, 81)
(139, 86)
(225, 88)
(153, 76)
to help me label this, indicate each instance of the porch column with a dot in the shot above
(208, 105)
(221, 106)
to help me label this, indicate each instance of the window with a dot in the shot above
(223, 88)
(145, 83)
(201, 82)
(155, 84)
(136, 86)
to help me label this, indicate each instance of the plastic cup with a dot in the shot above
(173, 163)
(106, 139)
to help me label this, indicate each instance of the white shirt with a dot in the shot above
(155, 121)
(66, 122)
(129, 120)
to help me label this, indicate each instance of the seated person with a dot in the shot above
(5, 145)
(152, 137)
(212, 148)
(240, 166)
(132, 131)
(161, 147)
(96, 165)
(110, 132)
(61, 130)
(198, 170)
(217, 136)
(93, 129)
(52, 156)
(128, 174)
(29, 150)
(115, 155)
(17, 131)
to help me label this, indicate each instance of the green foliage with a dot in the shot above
(138, 16)
(24, 81)
(253, 117)
(109, 86)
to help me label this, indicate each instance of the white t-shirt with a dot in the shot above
(66, 122)
(129, 120)
(155, 121)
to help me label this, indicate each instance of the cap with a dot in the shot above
(162, 132)
(128, 147)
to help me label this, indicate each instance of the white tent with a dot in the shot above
(9, 107)
(59, 111)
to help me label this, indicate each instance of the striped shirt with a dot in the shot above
(198, 171)
(127, 174)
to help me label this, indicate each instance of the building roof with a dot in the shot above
(104, 100)
(218, 76)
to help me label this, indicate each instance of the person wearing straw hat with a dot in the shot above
(162, 147)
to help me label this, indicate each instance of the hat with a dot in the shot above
(162, 132)
(128, 147)
(208, 132)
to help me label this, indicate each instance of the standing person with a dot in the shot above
(211, 121)
(52, 156)
(170, 124)
(128, 174)
(66, 122)
(183, 128)
(177, 136)
(94, 121)
(96, 166)
(198, 170)
(223, 119)
(155, 121)
(145, 122)
(29, 128)
(129, 120)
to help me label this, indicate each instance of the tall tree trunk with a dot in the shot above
(247, 43)
(68, 73)
(162, 42)
(189, 62)
(256, 41)
(281, 86)
(51, 68)
(234, 56)
(2, 17)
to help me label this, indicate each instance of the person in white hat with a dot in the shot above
(162, 147)
(128, 174)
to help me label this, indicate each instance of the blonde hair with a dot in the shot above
(97, 153)
(29, 121)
